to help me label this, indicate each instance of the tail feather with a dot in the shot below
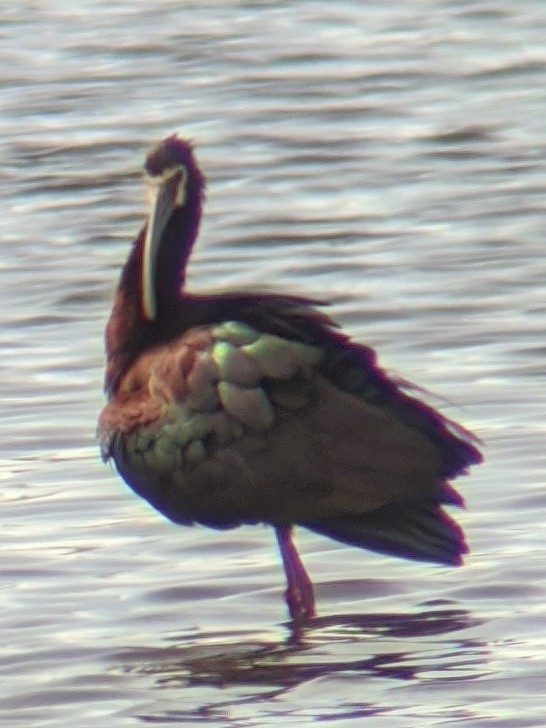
(420, 531)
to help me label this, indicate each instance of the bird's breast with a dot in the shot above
(188, 414)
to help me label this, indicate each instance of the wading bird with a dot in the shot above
(244, 408)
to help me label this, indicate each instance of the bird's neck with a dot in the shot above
(128, 332)
(172, 259)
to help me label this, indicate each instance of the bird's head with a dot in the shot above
(175, 182)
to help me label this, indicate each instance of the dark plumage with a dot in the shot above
(245, 408)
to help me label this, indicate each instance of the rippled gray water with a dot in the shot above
(390, 158)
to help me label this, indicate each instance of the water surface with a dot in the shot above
(390, 159)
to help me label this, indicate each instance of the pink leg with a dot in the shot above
(299, 593)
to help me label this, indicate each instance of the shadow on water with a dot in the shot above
(235, 669)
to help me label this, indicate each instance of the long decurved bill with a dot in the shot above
(162, 204)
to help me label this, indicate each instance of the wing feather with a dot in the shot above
(228, 424)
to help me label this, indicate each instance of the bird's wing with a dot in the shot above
(227, 425)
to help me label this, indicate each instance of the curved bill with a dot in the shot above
(161, 208)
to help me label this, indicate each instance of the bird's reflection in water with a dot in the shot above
(398, 646)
